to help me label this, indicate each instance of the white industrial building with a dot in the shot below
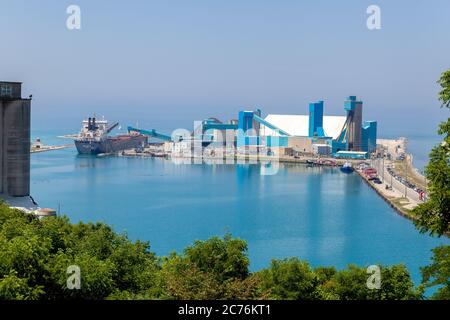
(298, 125)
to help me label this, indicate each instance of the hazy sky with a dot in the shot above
(167, 63)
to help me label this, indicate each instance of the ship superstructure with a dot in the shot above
(94, 138)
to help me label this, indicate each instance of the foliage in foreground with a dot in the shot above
(438, 273)
(433, 216)
(35, 254)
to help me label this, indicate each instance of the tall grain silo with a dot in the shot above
(15, 121)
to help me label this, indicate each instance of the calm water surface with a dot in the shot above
(320, 215)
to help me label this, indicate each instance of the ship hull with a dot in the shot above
(111, 144)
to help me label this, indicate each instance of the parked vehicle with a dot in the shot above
(377, 180)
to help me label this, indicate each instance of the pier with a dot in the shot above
(393, 196)
(44, 148)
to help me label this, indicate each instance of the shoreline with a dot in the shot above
(393, 197)
(49, 148)
(398, 209)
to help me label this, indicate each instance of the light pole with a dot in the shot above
(391, 181)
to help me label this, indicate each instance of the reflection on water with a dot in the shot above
(317, 214)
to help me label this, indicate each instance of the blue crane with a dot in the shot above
(151, 133)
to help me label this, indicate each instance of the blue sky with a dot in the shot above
(167, 63)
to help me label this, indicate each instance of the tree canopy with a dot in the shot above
(437, 274)
(433, 216)
(293, 279)
(35, 255)
(444, 94)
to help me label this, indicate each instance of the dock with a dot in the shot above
(393, 196)
(49, 148)
(37, 146)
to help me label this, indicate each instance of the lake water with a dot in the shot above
(320, 215)
(420, 147)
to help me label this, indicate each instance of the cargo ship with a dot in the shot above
(94, 138)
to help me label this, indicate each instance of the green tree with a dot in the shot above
(35, 255)
(433, 216)
(14, 288)
(212, 269)
(136, 267)
(351, 284)
(294, 279)
(438, 273)
(444, 94)
(184, 280)
(290, 279)
(226, 258)
(96, 277)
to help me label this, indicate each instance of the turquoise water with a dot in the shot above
(320, 215)
(420, 147)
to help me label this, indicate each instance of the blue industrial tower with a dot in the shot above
(354, 123)
(369, 136)
(316, 119)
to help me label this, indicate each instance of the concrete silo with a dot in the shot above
(15, 120)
